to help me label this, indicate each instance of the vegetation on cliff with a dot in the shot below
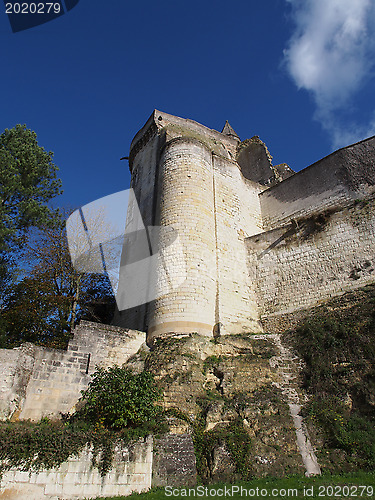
(337, 344)
(224, 394)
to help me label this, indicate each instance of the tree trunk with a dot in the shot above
(75, 304)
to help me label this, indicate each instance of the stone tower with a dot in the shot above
(204, 185)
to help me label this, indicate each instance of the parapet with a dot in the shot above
(251, 156)
(334, 181)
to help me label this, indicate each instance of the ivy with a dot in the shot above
(117, 407)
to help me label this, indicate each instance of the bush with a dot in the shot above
(337, 344)
(345, 430)
(118, 406)
(116, 398)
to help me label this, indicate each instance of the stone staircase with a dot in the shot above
(288, 367)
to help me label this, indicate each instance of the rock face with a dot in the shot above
(229, 395)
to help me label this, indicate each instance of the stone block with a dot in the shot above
(73, 490)
(21, 477)
(141, 468)
(44, 477)
(92, 490)
(125, 490)
(74, 466)
(53, 488)
(137, 479)
(8, 477)
(110, 490)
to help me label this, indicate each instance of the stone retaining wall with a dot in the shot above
(77, 478)
(38, 382)
(306, 263)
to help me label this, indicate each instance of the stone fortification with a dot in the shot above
(333, 182)
(312, 259)
(76, 478)
(256, 239)
(259, 247)
(40, 382)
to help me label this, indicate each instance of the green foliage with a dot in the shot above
(32, 314)
(347, 431)
(339, 350)
(27, 183)
(45, 444)
(239, 445)
(116, 398)
(46, 304)
(122, 409)
(338, 347)
(211, 362)
(233, 435)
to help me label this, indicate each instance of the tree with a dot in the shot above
(46, 304)
(27, 183)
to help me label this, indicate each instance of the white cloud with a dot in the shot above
(344, 133)
(331, 55)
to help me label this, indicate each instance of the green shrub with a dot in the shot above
(118, 406)
(116, 398)
(345, 430)
(337, 344)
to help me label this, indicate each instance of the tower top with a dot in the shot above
(228, 130)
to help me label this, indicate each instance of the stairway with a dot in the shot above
(288, 367)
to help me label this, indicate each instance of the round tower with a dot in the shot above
(187, 280)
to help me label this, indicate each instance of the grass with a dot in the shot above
(344, 486)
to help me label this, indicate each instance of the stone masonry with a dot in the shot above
(257, 239)
(76, 478)
(40, 382)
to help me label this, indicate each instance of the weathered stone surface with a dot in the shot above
(174, 461)
(222, 466)
(228, 385)
(312, 260)
(16, 367)
(254, 238)
(39, 382)
(131, 471)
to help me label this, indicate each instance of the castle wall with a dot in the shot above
(41, 382)
(341, 177)
(301, 265)
(140, 214)
(198, 190)
(186, 177)
(237, 308)
(131, 471)
(16, 366)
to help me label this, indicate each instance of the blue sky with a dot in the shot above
(298, 73)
